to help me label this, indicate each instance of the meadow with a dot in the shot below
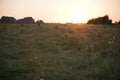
(59, 52)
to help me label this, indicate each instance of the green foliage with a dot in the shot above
(59, 52)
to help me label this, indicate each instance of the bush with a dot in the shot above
(6, 19)
(100, 20)
(26, 20)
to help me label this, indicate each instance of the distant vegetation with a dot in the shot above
(117, 22)
(39, 22)
(25, 20)
(100, 20)
(29, 20)
(6, 19)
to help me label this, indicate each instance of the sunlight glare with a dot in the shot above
(77, 15)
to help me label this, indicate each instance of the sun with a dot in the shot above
(77, 16)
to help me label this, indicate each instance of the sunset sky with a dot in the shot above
(76, 11)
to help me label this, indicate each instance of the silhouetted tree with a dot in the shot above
(91, 21)
(118, 22)
(19, 21)
(6, 19)
(25, 20)
(100, 20)
(28, 20)
(39, 22)
(115, 23)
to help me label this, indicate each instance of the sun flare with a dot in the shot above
(77, 15)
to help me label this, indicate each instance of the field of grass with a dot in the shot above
(59, 52)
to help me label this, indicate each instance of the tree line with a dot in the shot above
(25, 20)
(29, 20)
(102, 20)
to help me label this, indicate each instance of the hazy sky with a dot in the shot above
(61, 10)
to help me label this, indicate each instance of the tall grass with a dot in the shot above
(59, 52)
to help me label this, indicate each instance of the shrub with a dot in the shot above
(100, 20)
